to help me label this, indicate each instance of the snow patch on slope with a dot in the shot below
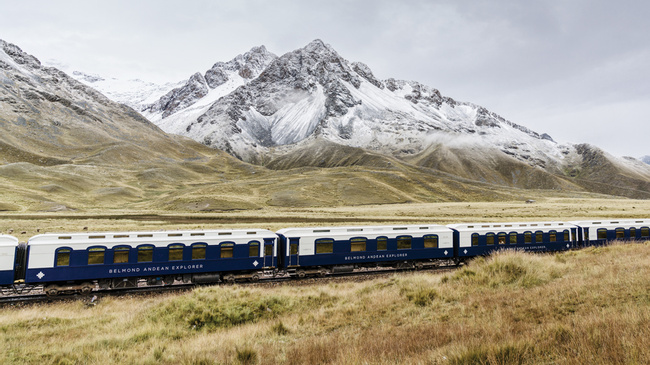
(178, 122)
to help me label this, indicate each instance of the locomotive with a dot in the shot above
(86, 262)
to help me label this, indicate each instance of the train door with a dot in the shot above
(294, 250)
(574, 237)
(20, 263)
(268, 253)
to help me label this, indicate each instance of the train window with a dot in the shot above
(293, 248)
(528, 237)
(253, 249)
(198, 251)
(145, 253)
(227, 250)
(567, 236)
(490, 238)
(403, 242)
(96, 255)
(552, 236)
(268, 250)
(474, 239)
(431, 241)
(63, 257)
(382, 243)
(620, 233)
(645, 232)
(539, 237)
(632, 232)
(502, 238)
(324, 245)
(176, 252)
(602, 234)
(358, 244)
(121, 254)
(513, 238)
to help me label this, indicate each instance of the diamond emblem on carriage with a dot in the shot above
(465, 251)
(567, 245)
(446, 252)
(255, 263)
(40, 275)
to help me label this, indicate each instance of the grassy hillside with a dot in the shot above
(590, 306)
(209, 180)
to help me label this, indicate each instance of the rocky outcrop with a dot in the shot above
(247, 66)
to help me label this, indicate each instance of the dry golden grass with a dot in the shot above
(274, 218)
(589, 306)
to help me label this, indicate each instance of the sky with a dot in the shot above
(578, 70)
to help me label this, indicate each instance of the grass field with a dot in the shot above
(274, 218)
(590, 306)
(583, 307)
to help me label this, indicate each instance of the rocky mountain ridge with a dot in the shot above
(312, 95)
(45, 112)
(315, 91)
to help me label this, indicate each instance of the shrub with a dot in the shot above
(421, 296)
(509, 268)
(246, 356)
(221, 308)
(280, 329)
(494, 354)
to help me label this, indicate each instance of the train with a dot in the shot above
(82, 263)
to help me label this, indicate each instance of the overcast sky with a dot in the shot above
(576, 69)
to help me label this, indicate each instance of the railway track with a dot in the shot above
(37, 296)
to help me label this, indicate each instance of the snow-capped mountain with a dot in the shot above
(258, 102)
(295, 109)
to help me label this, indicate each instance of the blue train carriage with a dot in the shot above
(8, 246)
(477, 239)
(309, 251)
(599, 232)
(81, 261)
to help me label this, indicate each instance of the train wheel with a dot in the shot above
(86, 288)
(168, 280)
(255, 277)
(301, 274)
(51, 291)
(229, 279)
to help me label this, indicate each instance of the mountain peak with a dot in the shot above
(318, 46)
(248, 65)
(279, 101)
